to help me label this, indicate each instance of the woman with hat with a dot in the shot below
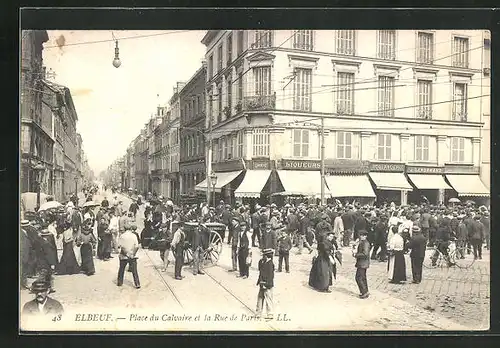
(68, 263)
(323, 267)
(396, 267)
(86, 241)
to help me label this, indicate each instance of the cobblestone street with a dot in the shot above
(447, 299)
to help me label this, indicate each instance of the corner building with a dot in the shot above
(401, 111)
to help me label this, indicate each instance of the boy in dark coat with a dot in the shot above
(266, 284)
(417, 244)
(284, 246)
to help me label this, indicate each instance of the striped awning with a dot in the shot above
(253, 183)
(428, 181)
(223, 178)
(349, 186)
(301, 183)
(390, 181)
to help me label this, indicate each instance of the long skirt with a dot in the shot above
(87, 259)
(68, 264)
(396, 267)
(321, 275)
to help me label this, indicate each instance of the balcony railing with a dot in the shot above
(459, 116)
(259, 102)
(424, 113)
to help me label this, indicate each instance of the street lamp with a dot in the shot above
(117, 62)
(213, 181)
(39, 170)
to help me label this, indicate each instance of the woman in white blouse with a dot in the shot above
(396, 267)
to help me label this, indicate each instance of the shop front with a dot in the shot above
(228, 176)
(348, 181)
(173, 178)
(299, 180)
(390, 182)
(257, 182)
(466, 184)
(430, 185)
(191, 173)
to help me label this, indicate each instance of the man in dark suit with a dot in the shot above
(25, 249)
(42, 305)
(198, 244)
(476, 236)
(418, 244)
(76, 221)
(362, 263)
(48, 257)
(234, 232)
(177, 246)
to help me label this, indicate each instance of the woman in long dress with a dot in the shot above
(396, 267)
(68, 263)
(323, 269)
(86, 240)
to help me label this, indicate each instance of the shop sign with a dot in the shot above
(300, 164)
(424, 170)
(257, 164)
(346, 166)
(387, 167)
(460, 169)
(228, 166)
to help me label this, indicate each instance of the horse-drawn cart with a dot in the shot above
(210, 239)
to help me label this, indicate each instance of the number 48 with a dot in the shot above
(57, 317)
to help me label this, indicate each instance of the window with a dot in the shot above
(260, 141)
(239, 150)
(219, 58)
(387, 44)
(302, 89)
(424, 91)
(459, 102)
(345, 93)
(221, 146)
(386, 96)
(303, 40)
(215, 151)
(460, 52)
(425, 48)
(344, 145)
(219, 99)
(240, 42)
(457, 149)
(262, 77)
(232, 151)
(384, 147)
(421, 148)
(345, 42)
(240, 87)
(263, 38)
(210, 66)
(301, 143)
(229, 48)
(229, 86)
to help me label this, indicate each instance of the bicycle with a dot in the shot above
(462, 257)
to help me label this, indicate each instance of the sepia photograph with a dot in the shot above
(254, 180)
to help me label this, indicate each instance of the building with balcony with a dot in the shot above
(37, 144)
(192, 167)
(141, 162)
(401, 111)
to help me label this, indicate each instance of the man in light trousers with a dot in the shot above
(266, 284)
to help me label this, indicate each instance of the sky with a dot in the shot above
(113, 104)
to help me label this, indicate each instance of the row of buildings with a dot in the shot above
(51, 150)
(404, 114)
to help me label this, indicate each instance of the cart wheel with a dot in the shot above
(188, 256)
(215, 242)
(211, 257)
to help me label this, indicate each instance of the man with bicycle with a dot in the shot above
(443, 234)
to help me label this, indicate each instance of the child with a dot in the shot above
(266, 284)
(284, 246)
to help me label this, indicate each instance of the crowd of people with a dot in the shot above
(384, 234)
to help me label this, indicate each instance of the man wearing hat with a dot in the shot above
(417, 244)
(177, 246)
(362, 256)
(42, 304)
(48, 257)
(234, 232)
(266, 284)
(129, 245)
(476, 236)
(243, 249)
(485, 221)
(26, 248)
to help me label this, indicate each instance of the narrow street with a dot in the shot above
(223, 297)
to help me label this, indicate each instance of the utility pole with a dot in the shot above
(209, 161)
(322, 160)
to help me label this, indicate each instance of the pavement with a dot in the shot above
(221, 301)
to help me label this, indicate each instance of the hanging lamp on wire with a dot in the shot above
(116, 61)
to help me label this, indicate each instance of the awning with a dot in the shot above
(223, 178)
(468, 185)
(253, 183)
(429, 181)
(301, 183)
(390, 181)
(349, 186)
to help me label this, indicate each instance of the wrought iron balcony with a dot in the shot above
(259, 102)
(459, 116)
(424, 113)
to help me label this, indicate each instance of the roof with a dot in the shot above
(209, 36)
(202, 70)
(65, 91)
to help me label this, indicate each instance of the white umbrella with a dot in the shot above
(90, 204)
(454, 200)
(50, 205)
